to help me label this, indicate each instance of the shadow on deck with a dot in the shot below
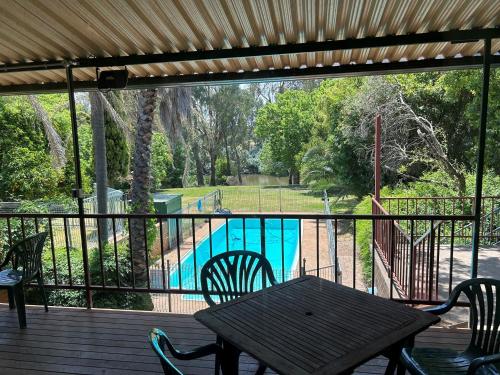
(113, 342)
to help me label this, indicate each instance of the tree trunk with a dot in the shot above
(290, 177)
(187, 164)
(199, 166)
(228, 160)
(100, 161)
(213, 160)
(141, 182)
(238, 167)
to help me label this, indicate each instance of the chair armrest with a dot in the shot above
(481, 361)
(202, 351)
(440, 309)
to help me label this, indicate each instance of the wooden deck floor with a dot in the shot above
(79, 341)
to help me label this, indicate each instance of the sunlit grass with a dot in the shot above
(255, 199)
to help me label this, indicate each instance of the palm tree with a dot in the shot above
(56, 146)
(141, 181)
(175, 115)
(99, 105)
(100, 161)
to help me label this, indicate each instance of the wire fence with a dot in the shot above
(331, 229)
(279, 198)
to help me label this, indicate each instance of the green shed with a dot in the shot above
(169, 204)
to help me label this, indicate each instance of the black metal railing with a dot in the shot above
(294, 243)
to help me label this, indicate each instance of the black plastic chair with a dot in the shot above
(25, 258)
(233, 274)
(482, 354)
(159, 339)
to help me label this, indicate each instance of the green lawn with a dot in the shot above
(344, 205)
(250, 198)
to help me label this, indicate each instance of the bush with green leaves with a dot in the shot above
(66, 258)
(364, 237)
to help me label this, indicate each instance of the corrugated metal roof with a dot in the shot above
(46, 30)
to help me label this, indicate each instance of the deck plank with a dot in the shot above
(108, 342)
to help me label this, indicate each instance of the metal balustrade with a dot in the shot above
(412, 263)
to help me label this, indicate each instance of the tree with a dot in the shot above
(100, 160)
(175, 115)
(451, 102)
(26, 166)
(117, 153)
(162, 166)
(208, 124)
(56, 145)
(237, 116)
(285, 127)
(141, 181)
(409, 140)
(332, 159)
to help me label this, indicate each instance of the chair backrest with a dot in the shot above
(158, 340)
(233, 274)
(484, 298)
(26, 255)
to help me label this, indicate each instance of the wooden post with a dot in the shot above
(378, 150)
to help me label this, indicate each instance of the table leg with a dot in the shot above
(393, 355)
(10, 293)
(230, 359)
(21, 308)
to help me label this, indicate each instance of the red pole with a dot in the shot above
(378, 149)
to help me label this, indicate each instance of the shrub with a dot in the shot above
(102, 299)
(364, 237)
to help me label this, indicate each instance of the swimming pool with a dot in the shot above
(277, 254)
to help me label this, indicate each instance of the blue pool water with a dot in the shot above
(275, 235)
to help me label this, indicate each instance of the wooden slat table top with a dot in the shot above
(313, 326)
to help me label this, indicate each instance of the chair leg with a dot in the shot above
(42, 289)
(218, 341)
(21, 308)
(12, 303)
(261, 370)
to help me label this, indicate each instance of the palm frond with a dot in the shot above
(56, 146)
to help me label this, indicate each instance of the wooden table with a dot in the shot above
(313, 326)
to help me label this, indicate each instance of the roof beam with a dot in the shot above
(267, 75)
(454, 36)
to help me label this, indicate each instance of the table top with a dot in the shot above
(313, 326)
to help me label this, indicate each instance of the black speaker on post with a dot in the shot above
(112, 79)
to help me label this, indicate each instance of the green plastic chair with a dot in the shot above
(25, 258)
(482, 354)
(159, 339)
(233, 274)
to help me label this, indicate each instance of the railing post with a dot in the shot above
(169, 298)
(378, 151)
(77, 192)
(412, 261)
(263, 246)
(431, 260)
(391, 259)
(480, 157)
